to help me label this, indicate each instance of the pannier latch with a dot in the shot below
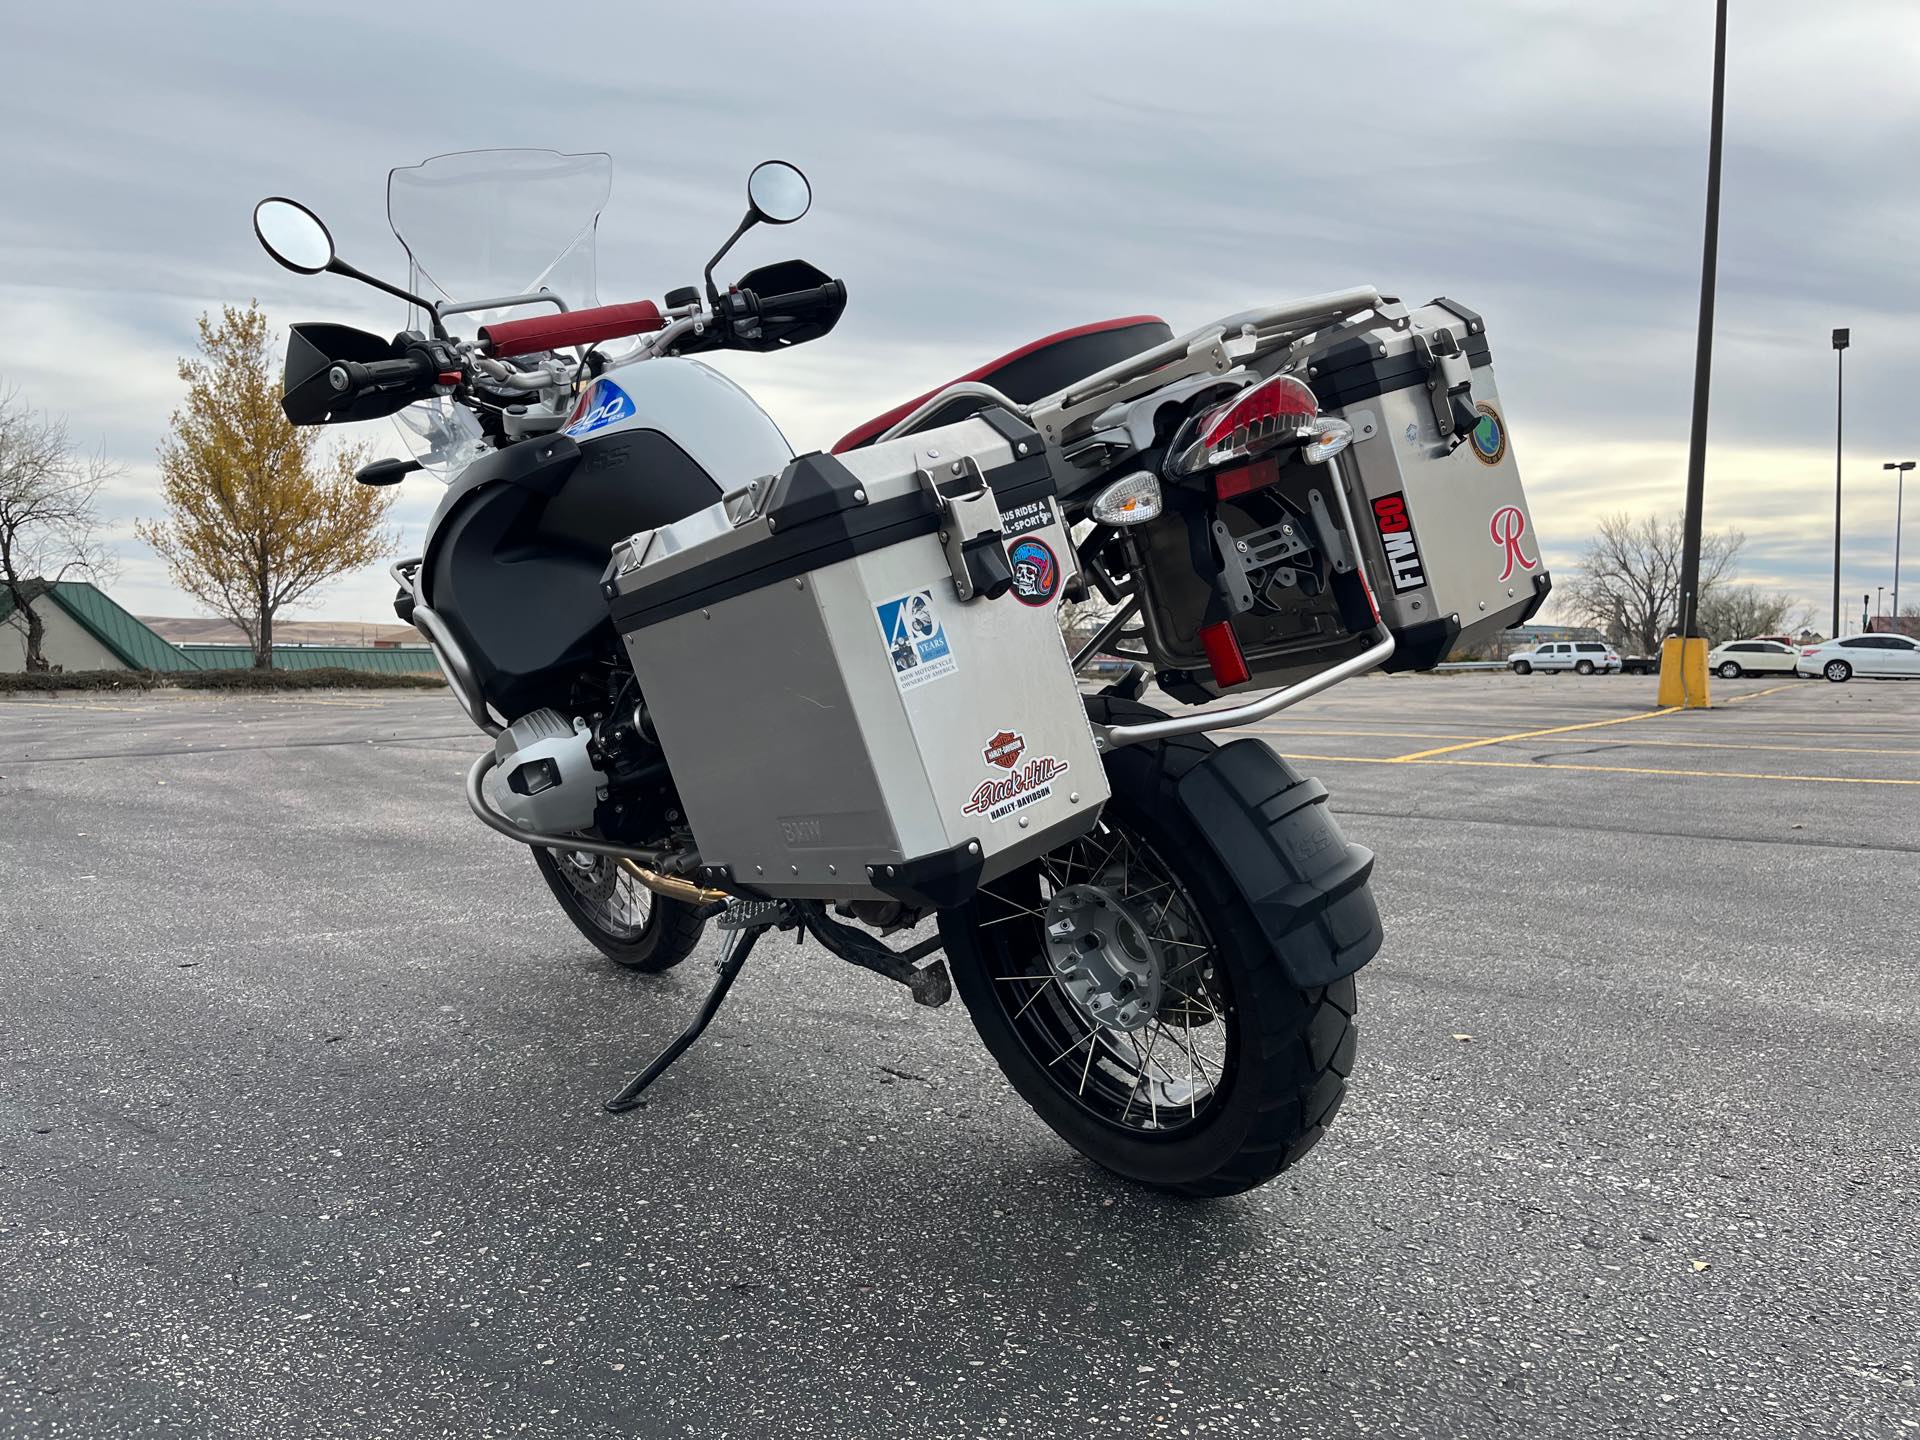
(1449, 384)
(969, 525)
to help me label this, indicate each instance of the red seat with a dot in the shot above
(1029, 373)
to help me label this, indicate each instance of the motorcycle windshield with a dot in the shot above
(484, 224)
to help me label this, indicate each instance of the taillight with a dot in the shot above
(1811, 649)
(1255, 420)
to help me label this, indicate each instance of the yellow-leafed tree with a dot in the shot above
(257, 516)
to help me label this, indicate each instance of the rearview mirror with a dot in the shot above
(293, 235)
(776, 192)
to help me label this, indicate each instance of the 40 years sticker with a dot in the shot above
(916, 640)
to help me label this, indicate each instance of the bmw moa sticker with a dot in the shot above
(916, 640)
(603, 405)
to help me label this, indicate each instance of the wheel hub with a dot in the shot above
(593, 877)
(1103, 958)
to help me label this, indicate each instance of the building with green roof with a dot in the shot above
(85, 630)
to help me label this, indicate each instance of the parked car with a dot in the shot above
(1883, 657)
(1583, 657)
(1752, 657)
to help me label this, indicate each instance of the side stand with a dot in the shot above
(757, 923)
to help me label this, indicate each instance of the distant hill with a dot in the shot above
(201, 630)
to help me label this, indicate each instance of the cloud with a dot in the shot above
(989, 173)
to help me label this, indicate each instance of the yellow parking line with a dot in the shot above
(1773, 690)
(1534, 734)
(1603, 769)
(1789, 749)
(1691, 774)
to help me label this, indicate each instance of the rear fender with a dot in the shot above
(1273, 836)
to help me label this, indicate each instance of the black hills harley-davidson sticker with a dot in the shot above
(1034, 515)
(1027, 779)
(1396, 538)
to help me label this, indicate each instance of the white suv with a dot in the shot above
(1583, 657)
(1752, 657)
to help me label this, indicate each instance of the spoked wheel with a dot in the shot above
(627, 921)
(1125, 1007)
(1133, 1001)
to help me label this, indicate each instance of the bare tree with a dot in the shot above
(1735, 612)
(1628, 581)
(50, 529)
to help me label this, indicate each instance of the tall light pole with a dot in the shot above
(1899, 468)
(1840, 338)
(1702, 363)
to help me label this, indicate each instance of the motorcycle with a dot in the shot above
(830, 693)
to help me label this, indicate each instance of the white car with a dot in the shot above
(1883, 657)
(1752, 657)
(1583, 657)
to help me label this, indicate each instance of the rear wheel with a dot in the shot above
(1838, 671)
(1132, 1000)
(1730, 670)
(628, 922)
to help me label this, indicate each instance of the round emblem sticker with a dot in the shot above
(1036, 573)
(1489, 437)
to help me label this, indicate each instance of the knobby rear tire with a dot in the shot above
(1293, 1048)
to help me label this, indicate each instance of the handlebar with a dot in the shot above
(575, 327)
(353, 376)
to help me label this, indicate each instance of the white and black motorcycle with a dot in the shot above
(663, 618)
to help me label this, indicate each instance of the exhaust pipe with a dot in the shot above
(672, 887)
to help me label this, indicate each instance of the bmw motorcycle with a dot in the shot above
(1162, 965)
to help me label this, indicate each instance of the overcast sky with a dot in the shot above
(986, 173)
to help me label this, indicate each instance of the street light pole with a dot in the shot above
(1899, 469)
(1840, 340)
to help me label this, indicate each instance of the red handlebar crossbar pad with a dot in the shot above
(578, 327)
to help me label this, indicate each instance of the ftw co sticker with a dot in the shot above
(1506, 527)
(916, 640)
(1489, 438)
(1027, 779)
(1036, 571)
(605, 404)
(1396, 538)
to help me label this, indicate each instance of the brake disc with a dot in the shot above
(593, 877)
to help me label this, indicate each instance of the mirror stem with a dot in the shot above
(747, 222)
(338, 266)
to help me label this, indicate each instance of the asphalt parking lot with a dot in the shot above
(302, 1132)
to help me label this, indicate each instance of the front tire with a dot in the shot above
(1838, 671)
(627, 922)
(1585, 667)
(1236, 1074)
(1730, 670)
(1521, 667)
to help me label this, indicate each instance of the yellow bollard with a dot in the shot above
(1683, 672)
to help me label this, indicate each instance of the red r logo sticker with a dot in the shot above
(1506, 528)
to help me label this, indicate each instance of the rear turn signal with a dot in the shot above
(1330, 437)
(1224, 657)
(1131, 500)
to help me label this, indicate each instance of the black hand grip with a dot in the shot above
(349, 375)
(830, 293)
